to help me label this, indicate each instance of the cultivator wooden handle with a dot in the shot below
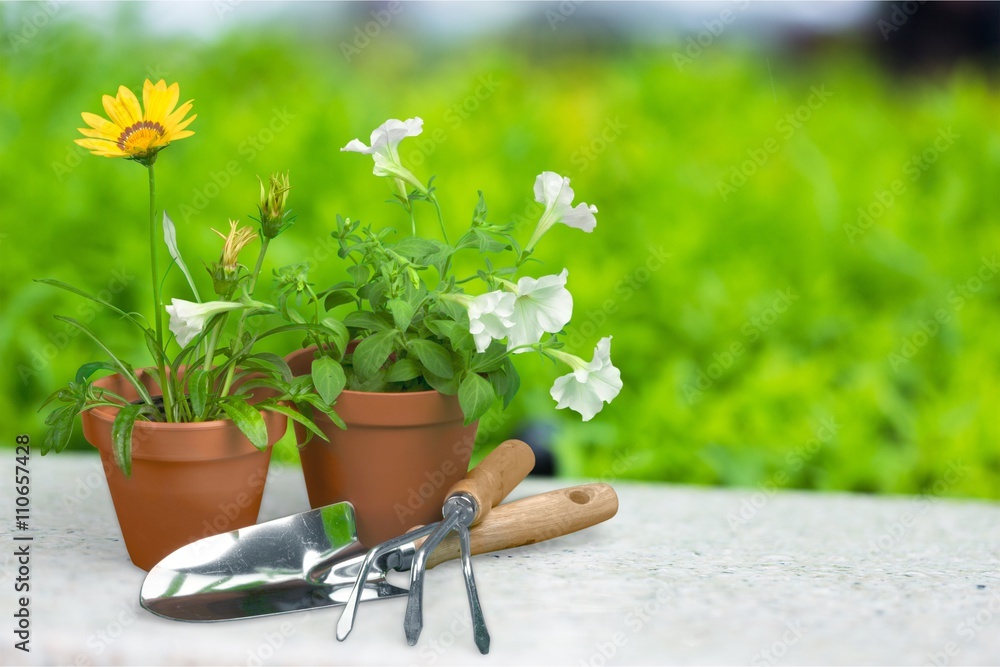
(496, 476)
(535, 519)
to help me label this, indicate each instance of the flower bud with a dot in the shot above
(274, 219)
(226, 272)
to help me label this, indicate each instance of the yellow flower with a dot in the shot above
(225, 272)
(235, 242)
(133, 133)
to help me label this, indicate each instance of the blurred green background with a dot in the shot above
(767, 335)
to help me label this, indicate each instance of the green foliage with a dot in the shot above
(677, 273)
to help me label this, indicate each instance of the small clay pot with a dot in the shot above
(395, 462)
(188, 480)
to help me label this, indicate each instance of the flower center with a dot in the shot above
(140, 137)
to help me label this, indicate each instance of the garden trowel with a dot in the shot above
(311, 560)
(299, 562)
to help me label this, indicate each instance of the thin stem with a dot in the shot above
(315, 301)
(444, 233)
(260, 260)
(413, 220)
(157, 306)
(243, 316)
(212, 342)
(238, 341)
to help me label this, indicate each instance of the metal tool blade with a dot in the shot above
(305, 561)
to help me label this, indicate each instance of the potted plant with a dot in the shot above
(186, 441)
(413, 359)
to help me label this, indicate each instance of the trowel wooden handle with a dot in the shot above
(496, 476)
(535, 519)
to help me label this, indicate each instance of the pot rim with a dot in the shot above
(104, 413)
(108, 414)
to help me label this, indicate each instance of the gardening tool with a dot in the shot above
(468, 502)
(297, 562)
(271, 568)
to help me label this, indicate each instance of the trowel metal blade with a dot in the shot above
(305, 561)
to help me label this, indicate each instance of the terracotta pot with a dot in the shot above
(397, 459)
(188, 480)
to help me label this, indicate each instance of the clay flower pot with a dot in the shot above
(396, 460)
(188, 480)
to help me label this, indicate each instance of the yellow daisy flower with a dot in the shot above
(133, 133)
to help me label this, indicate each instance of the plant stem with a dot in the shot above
(444, 233)
(212, 342)
(260, 260)
(157, 306)
(413, 220)
(243, 316)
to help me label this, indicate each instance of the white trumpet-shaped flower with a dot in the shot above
(590, 385)
(542, 305)
(554, 191)
(490, 317)
(384, 149)
(188, 319)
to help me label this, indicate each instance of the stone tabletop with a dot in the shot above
(682, 575)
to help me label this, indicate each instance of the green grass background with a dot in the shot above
(812, 399)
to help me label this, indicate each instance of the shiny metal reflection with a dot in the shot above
(300, 562)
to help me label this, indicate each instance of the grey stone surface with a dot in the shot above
(681, 575)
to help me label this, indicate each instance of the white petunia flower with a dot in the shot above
(384, 149)
(490, 317)
(188, 319)
(553, 190)
(590, 385)
(541, 306)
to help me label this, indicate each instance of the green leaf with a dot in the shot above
(199, 383)
(60, 422)
(300, 385)
(295, 415)
(328, 378)
(372, 352)
(367, 320)
(120, 366)
(69, 288)
(262, 383)
(338, 332)
(468, 240)
(325, 408)
(513, 382)
(479, 214)
(454, 311)
(360, 273)
(402, 313)
(487, 243)
(491, 359)
(441, 328)
(155, 350)
(475, 395)
(170, 238)
(403, 370)
(338, 298)
(121, 436)
(374, 292)
(447, 386)
(88, 369)
(247, 419)
(416, 248)
(498, 380)
(433, 356)
(274, 362)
